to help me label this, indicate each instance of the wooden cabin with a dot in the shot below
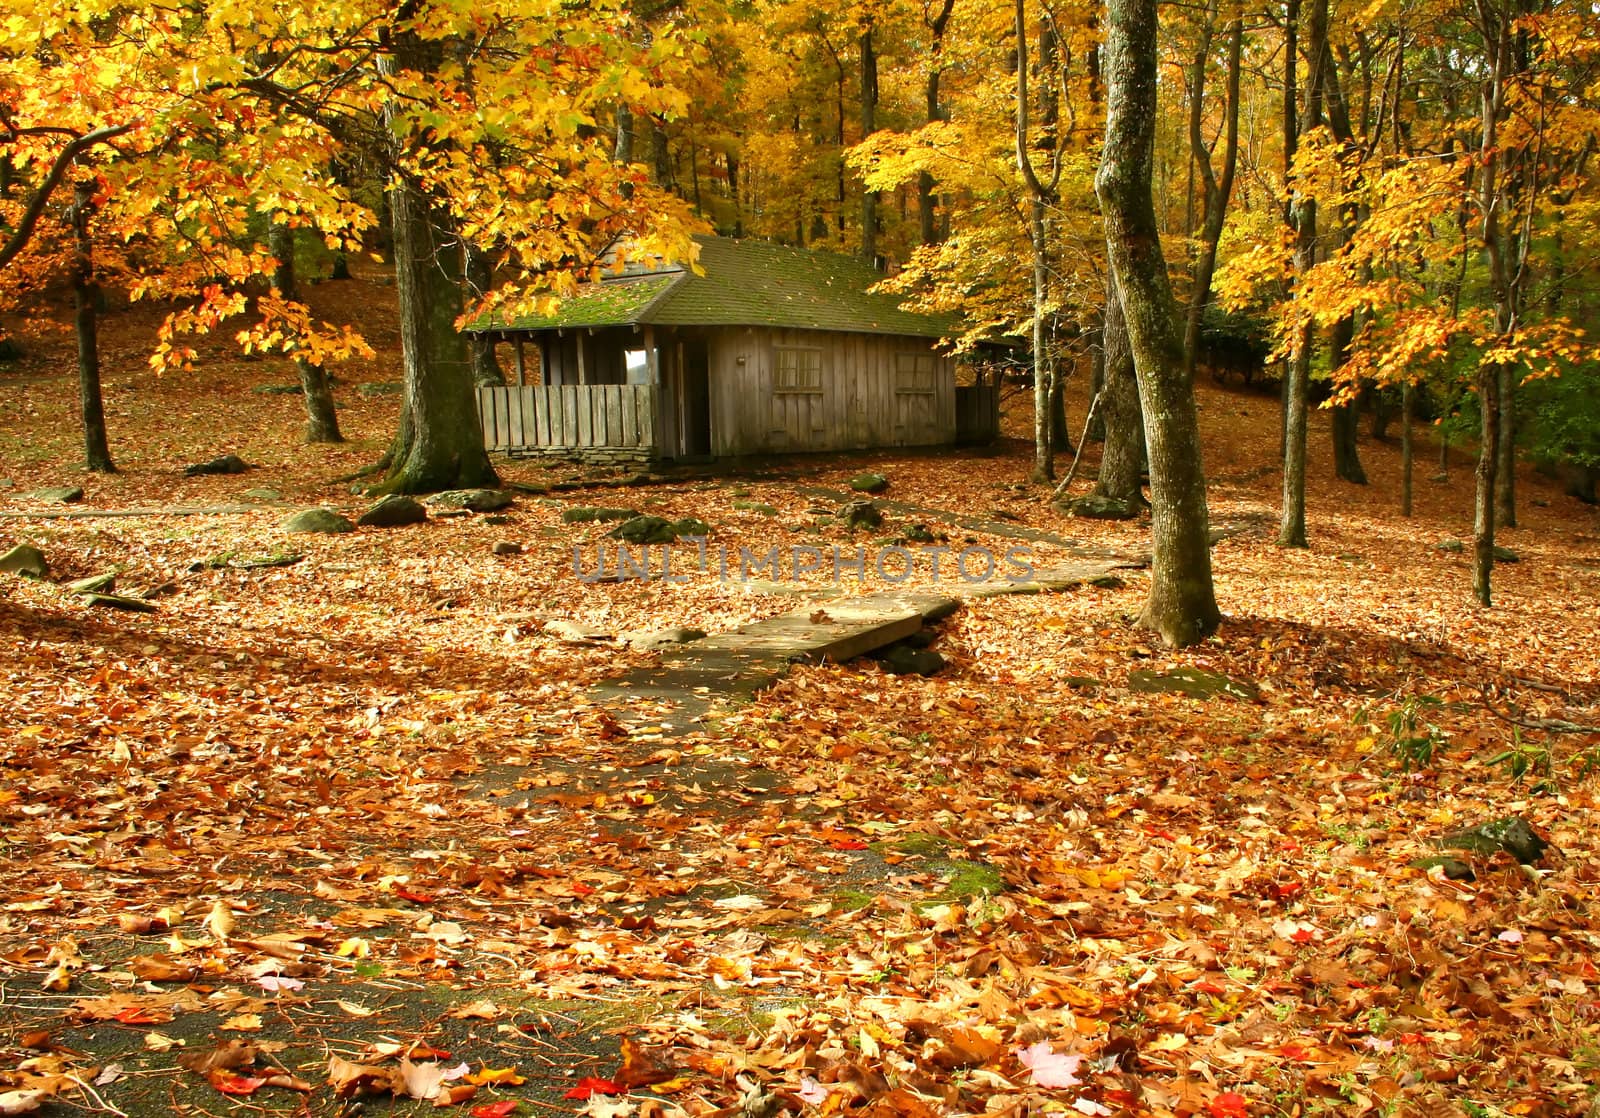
(770, 350)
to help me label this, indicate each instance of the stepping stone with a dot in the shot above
(506, 547)
(904, 659)
(25, 560)
(1454, 547)
(1512, 834)
(860, 514)
(649, 640)
(324, 522)
(588, 514)
(226, 464)
(393, 511)
(117, 601)
(1192, 682)
(94, 584)
(869, 483)
(1095, 507)
(57, 494)
(574, 633)
(262, 494)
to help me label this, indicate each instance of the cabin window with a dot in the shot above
(637, 364)
(797, 370)
(914, 374)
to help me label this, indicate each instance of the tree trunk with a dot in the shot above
(1292, 521)
(440, 442)
(1060, 435)
(86, 294)
(479, 276)
(1407, 407)
(322, 421)
(869, 125)
(1122, 458)
(1483, 503)
(1217, 191)
(1505, 471)
(1044, 466)
(926, 208)
(1346, 417)
(1182, 605)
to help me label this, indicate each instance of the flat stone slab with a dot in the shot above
(834, 631)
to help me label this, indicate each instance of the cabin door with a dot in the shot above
(692, 395)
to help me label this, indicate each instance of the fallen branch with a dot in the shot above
(1088, 419)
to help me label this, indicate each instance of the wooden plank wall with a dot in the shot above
(977, 413)
(568, 416)
(858, 406)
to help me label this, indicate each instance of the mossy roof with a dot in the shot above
(746, 283)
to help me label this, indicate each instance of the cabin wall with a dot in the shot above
(589, 357)
(843, 391)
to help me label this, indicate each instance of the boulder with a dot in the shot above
(1452, 547)
(1505, 555)
(1512, 834)
(920, 533)
(903, 659)
(1095, 507)
(645, 530)
(756, 506)
(690, 527)
(393, 511)
(57, 494)
(226, 464)
(475, 500)
(324, 522)
(869, 483)
(506, 547)
(860, 514)
(26, 560)
(262, 494)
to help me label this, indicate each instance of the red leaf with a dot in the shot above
(235, 1084)
(416, 898)
(494, 1109)
(591, 1085)
(1229, 1104)
(136, 1015)
(848, 844)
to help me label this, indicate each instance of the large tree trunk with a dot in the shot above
(927, 225)
(1483, 503)
(1044, 450)
(1346, 418)
(440, 442)
(86, 293)
(1408, 405)
(1182, 605)
(1122, 458)
(322, 421)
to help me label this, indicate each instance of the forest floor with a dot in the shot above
(357, 821)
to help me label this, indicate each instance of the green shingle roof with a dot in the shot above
(746, 283)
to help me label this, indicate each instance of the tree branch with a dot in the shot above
(41, 198)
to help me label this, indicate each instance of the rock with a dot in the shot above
(690, 527)
(26, 560)
(756, 506)
(1084, 683)
(160, 590)
(574, 633)
(227, 464)
(649, 640)
(869, 483)
(380, 388)
(903, 659)
(1453, 547)
(860, 514)
(1505, 555)
(276, 390)
(1513, 834)
(319, 521)
(920, 533)
(1192, 682)
(57, 495)
(117, 601)
(589, 514)
(393, 511)
(1095, 507)
(262, 494)
(645, 530)
(94, 584)
(477, 500)
(1454, 868)
(506, 547)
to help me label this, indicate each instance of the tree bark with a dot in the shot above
(86, 295)
(1407, 406)
(1505, 485)
(926, 201)
(1483, 503)
(1346, 418)
(1216, 191)
(1122, 458)
(869, 125)
(478, 273)
(440, 442)
(1040, 194)
(1182, 605)
(322, 421)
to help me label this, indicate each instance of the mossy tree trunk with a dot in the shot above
(1182, 605)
